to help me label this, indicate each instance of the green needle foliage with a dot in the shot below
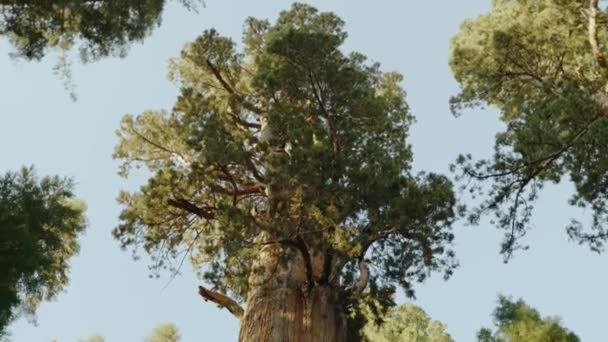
(288, 141)
(406, 322)
(98, 28)
(542, 64)
(518, 322)
(40, 221)
(101, 28)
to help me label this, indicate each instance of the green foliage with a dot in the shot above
(94, 338)
(407, 322)
(39, 225)
(369, 310)
(542, 64)
(289, 141)
(518, 322)
(101, 28)
(165, 332)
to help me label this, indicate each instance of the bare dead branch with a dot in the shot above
(221, 300)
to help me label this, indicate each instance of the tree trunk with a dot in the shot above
(293, 315)
(282, 307)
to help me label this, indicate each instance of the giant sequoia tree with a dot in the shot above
(40, 221)
(283, 173)
(542, 63)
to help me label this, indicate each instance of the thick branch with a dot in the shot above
(221, 300)
(249, 189)
(317, 92)
(254, 170)
(202, 212)
(373, 237)
(592, 31)
(300, 246)
(363, 276)
(219, 77)
(231, 90)
(327, 267)
(363, 280)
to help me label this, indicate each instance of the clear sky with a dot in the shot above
(111, 294)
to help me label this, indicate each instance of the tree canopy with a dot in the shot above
(94, 338)
(406, 322)
(543, 65)
(291, 142)
(518, 322)
(164, 332)
(40, 221)
(100, 28)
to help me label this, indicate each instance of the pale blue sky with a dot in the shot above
(111, 294)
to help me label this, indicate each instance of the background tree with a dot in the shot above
(102, 28)
(406, 322)
(543, 65)
(518, 322)
(283, 173)
(40, 221)
(94, 338)
(164, 332)
(99, 28)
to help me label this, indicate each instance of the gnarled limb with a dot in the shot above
(363, 276)
(221, 300)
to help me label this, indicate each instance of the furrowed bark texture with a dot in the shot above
(290, 314)
(283, 307)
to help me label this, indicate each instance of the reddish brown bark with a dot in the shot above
(282, 304)
(294, 315)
